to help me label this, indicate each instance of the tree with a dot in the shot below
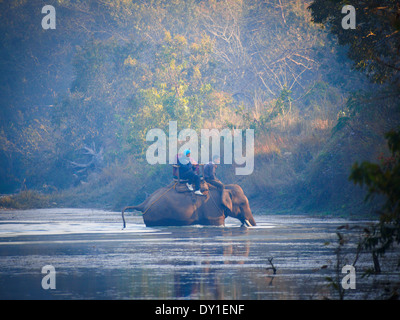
(374, 44)
(383, 179)
(267, 45)
(180, 89)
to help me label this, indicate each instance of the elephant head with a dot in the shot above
(237, 205)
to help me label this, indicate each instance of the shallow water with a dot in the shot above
(95, 259)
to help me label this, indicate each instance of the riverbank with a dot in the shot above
(31, 199)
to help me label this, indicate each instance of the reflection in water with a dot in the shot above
(95, 259)
(208, 280)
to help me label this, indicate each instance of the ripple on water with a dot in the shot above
(95, 258)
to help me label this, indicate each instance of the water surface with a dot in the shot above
(95, 259)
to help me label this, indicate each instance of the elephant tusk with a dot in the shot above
(246, 223)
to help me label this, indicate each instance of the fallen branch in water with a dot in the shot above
(272, 267)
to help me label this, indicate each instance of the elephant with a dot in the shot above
(175, 205)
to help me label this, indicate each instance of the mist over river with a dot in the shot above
(94, 258)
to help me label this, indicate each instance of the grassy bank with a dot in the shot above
(28, 199)
(301, 165)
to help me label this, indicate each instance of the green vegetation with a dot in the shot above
(77, 101)
(373, 44)
(383, 179)
(27, 199)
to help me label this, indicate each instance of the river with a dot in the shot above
(93, 258)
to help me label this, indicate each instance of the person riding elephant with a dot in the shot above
(186, 171)
(210, 176)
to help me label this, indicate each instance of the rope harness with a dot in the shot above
(215, 204)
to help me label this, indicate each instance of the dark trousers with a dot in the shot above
(216, 183)
(193, 179)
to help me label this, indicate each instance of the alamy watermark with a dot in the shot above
(49, 20)
(349, 280)
(157, 153)
(49, 280)
(349, 20)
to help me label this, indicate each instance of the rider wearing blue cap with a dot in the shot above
(186, 172)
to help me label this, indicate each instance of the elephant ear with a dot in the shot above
(227, 199)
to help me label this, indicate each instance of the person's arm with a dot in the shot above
(214, 168)
(207, 173)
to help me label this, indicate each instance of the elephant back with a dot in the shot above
(182, 187)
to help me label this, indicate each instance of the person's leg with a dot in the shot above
(189, 186)
(196, 182)
(217, 183)
(195, 179)
(187, 176)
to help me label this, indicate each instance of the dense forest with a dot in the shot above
(77, 101)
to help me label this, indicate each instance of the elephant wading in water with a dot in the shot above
(175, 205)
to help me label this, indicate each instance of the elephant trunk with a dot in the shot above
(252, 221)
(247, 217)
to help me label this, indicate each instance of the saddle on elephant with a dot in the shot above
(186, 174)
(186, 170)
(181, 186)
